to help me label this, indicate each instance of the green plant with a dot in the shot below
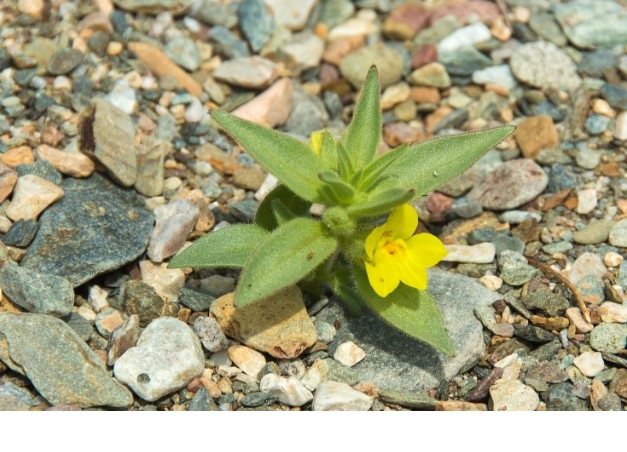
(364, 262)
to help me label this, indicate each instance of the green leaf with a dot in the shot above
(292, 251)
(342, 285)
(346, 168)
(427, 165)
(412, 311)
(228, 247)
(291, 161)
(343, 191)
(380, 203)
(328, 151)
(370, 175)
(266, 217)
(364, 132)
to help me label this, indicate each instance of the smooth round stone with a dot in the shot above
(389, 61)
(594, 233)
(587, 158)
(597, 124)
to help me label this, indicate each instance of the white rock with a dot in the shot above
(210, 334)
(168, 355)
(512, 395)
(618, 234)
(586, 200)
(315, 375)
(612, 259)
(620, 129)
(195, 112)
(123, 97)
(305, 49)
(590, 363)
(352, 28)
(613, 312)
(266, 187)
(492, 282)
(588, 264)
(31, 195)
(287, 390)
(395, 94)
(482, 253)
(173, 223)
(291, 14)
(167, 282)
(466, 36)
(499, 75)
(349, 354)
(247, 72)
(507, 361)
(334, 396)
(247, 359)
(97, 298)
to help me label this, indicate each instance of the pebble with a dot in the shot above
(71, 374)
(291, 15)
(594, 233)
(154, 6)
(514, 268)
(492, 282)
(335, 396)
(167, 356)
(278, 325)
(315, 374)
(587, 264)
(107, 321)
(587, 158)
(590, 363)
(122, 96)
(586, 200)
(141, 299)
(247, 359)
(620, 127)
(593, 24)
(256, 22)
(173, 223)
(482, 253)
(613, 312)
(31, 196)
(287, 390)
(150, 169)
(544, 65)
(510, 185)
(304, 50)
(247, 72)
(73, 164)
(465, 36)
(405, 21)
(15, 398)
(272, 107)
(167, 282)
(498, 75)
(432, 75)
(17, 156)
(513, 395)
(612, 259)
(575, 317)
(210, 334)
(64, 61)
(535, 133)
(349, 354)
(21, 233)
(548, 302)
(8, 178)
(123, 338)
(561, 398)
(184, 52)
(355, 65)
(609, 337)
(618, 234)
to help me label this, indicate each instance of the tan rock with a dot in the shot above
(272, 107)
(18, 156)
(536, 133)
(31, 196)
(33, 8)
(73, 164)
(167, 282)
(247, 359)
(459, 405)
(339, 48)
(160, 64)
(8, 178)
(278, 325)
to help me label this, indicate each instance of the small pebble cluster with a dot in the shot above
(110, 164)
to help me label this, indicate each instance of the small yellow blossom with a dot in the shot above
(315, 141)
(394, 254)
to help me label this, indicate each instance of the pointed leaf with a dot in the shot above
(345, 165)
(291, 161)
(364, 132)
(328, 152)
(265, 216)
(371, 174)
(228, 247)
(292, 251)
(381, 203)
(342, 190)
(412, 311)
(427, 165)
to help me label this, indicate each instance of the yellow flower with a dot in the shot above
(394, 254)
(315, 141)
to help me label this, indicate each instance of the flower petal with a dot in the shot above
(425, 250)
(315, 141)
(382, 274)
(402, 222)
(412, 275)
(373, 240)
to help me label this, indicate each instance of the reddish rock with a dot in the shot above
(484, 10)
(397, 133)
(272, 107)
(438, 204)
(405, 21)
(425, 95)
(425, 54)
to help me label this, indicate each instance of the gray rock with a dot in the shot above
(548, 302)
(106, 134)
(325, 331)
(14, 398)
(618, 234)
(64, 60)
(308, 114)
(248, 72)
(544, 65)
(195, 300)
(510, 185)
(95, 228)
(21, 233)
(256, 22)
(168, 355)
(202, 401)
(514, 269)
(408, 399)
(333, 13)
(228, 43)
(545, 26)
(184, 52)
(609, 337)
(388, 60)
(593, 23)
(217, 13)
(70, 374)
(615, 95)
(210, 334)
(80, 325)
(395, 361)
(594, 233)
(154, 6)
(173, 223)
(36, 292)
(561, 398)
(142, 300)
(42, 169)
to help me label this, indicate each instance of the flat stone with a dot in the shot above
(587, 264)
(287, 390)
(334, 396)
(195, 300)
(536, 133)
(590, 363)
(184, 52)
(465, 36)
(432, 74)
(173, 223)
(609, 337)
(593, 24)
(277, 325)
(482, 253)
(303, 51)
(272, 107)
(106, 134)
(210, 334)
(247, 359)
(595, 232)
(21, 233)
(397, 362)
(94, 229)
(168, 355)
(497, 75)
(349, 354)
(154, 6)
(355, 65)
(248, 72)
(618, 234)
(291, 15)
(544, 65)
(150, 167)
(548, 302)
(36, 292)
(64, 61)
(31, 196)
(71, 374)
(74, 164)
(510, 185)
(514, 268)
(613, 312)
(512, 395)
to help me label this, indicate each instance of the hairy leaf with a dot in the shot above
(266, 217)
(380, 203)
(286, 256)
(228, 247)
(343, 191)
(291, 161)
(412, 311)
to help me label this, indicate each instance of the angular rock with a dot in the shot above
(272, 107)
(590, 363)
(514, 268)
(150, 170)
(290, 14)
(71, 374)
(168, 355)
(248, 72)
(256, 22)
(349, 354)
(613, 312)
(106, 134)
(277, 325)
(173, 223)
(94, 229)
(72, 164)
(536, 133)
(123, 338)
(432, 74)
(247, 359)
(587, 264)
(31, 196)
(512, 395)
(334, 396)
(287, 390)
(21, 233)
(210, 334)
(609, 337)
(167, 282)
(394, 360)
(141, 300)
(14, 398)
